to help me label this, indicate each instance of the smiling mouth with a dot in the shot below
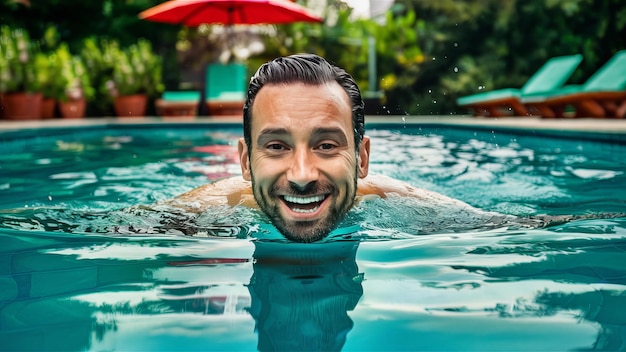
(304, 204)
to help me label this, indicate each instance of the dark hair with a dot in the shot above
(309, 69)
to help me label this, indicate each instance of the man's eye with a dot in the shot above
(275, 146)
(326, 146)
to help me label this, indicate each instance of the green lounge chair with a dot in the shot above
(224, 94)
(602, 95)
(504, 102)
(178, 103)
(226, 89)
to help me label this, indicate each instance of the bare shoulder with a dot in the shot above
(385, 186)
(230, 191)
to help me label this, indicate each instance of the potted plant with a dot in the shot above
(19, 96)
(97, 55)
(46, 71)
(76, 85)
(136, 76)
(47, 68)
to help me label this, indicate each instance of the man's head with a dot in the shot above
(303, 146)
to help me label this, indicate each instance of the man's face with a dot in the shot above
(303, 163)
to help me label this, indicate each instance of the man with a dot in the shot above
(304, 156)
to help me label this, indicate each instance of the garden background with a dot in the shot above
(428, 52)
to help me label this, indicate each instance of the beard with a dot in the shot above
(305, 231)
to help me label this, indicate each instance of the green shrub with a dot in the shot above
(17, 73)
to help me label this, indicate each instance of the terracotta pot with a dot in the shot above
(131, 105)
(73, 109)
(21, 106)
(47, 108)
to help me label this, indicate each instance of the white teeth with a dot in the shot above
(297, 210)
(303, 200)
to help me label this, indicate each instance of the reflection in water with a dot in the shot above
(81, 293)
(573, 260)
(599, 306)
(301, 294)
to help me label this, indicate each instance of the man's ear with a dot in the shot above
(244, 159)
(364, 157)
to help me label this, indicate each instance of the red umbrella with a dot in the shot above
(196, 12)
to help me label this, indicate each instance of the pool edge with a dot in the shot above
(610, 130)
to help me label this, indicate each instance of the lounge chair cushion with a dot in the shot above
(489, 96)
(226, 81)
(181, 96)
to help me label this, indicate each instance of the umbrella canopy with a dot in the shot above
(228, 12)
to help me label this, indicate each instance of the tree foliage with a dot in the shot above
(429, 52)
(487, 44)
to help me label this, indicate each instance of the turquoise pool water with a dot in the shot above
(88, 262)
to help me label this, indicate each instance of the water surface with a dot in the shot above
(88, 262)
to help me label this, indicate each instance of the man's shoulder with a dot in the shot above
(382, 185)
(385, 186)
(228, 191)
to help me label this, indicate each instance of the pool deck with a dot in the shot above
(605, 129)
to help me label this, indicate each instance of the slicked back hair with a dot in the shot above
(309, 69)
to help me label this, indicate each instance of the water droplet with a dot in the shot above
(49, 197)
(456, 69)
(481, 87)
(456, 45)
(434, 102)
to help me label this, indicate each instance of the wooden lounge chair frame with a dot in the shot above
(499, 107)
(592, 104)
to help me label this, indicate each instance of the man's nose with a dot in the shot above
(303, 170)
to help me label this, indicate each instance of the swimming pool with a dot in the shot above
(87, 262)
